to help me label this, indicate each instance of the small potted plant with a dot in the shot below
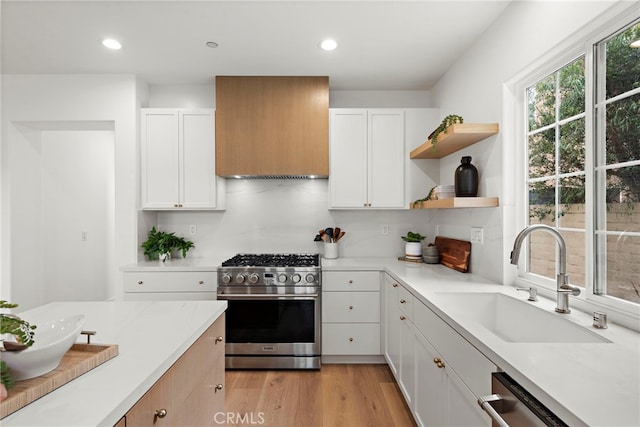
(160, 245)
(413, 245)
(20, 331)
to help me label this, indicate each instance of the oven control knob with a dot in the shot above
(226, 278)
(253, 278)
(310, 278)
(240, 278)
(296, 278)
(282, 278)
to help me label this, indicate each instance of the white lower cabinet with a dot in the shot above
(351, 313)
(169, 285)
(440, 374)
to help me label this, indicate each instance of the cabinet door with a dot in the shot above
(406, 365)
(431, 386)
(386, 159)
(462, 409)
(348, 154)
(391, 324)
(197, 152)
(159, 157)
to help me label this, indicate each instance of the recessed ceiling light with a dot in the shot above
(328, 44)
(212, 45)
(111, 44)
(635, 44)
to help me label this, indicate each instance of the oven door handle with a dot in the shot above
(267, 296)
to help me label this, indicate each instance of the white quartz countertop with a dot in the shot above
(151, 336)
(594, 384)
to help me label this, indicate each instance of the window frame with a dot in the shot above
(584, 45)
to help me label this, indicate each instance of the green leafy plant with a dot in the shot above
(451, 119)
(5, 375)
(413, 237)
(160, 242)
(11, 324)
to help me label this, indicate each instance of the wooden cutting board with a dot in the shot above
(455, 254)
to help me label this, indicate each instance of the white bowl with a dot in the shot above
(52, 340)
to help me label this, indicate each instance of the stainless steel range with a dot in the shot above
(273, 316)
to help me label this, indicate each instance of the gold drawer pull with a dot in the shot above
(350, 307)
(160, 413)
(439, 363)
(140, 282)
(395, 285)
(350, 281)
(402, 317)
(219, 339)
(350, 339)
(218, 387)
(402, 301)
(200, 282)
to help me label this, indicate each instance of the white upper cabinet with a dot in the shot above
(366, 159)
(178, 159)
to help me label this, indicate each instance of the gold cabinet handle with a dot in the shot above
(402, 301)
(219, 339)
(395, 285)
(350, 339)
(218, 387)
(350, 307)
(402, 317)
(200, 282)
(160, 413)
(350, 281)
(439, 363)
(140, 282)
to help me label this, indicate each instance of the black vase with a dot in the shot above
(466, 179)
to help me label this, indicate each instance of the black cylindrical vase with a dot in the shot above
(466, 179)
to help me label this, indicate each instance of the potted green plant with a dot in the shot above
(451, 119)
(23, 333)
(160, 245)
(413, 245)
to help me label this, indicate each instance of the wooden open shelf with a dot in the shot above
(458, 202)
(454, 138)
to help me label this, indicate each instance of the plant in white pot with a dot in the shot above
(160, 245)
(413, 244)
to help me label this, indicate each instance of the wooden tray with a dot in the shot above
(405, 259)
(80, 359)
(455, 254)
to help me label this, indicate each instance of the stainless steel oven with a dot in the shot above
(273, 316)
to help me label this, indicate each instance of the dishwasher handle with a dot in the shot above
(487, 404)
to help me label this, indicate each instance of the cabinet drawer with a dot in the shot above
(357, 307)
(170, 281)
(405, 302)
(470, 365)
(351, 281)
(351, 338)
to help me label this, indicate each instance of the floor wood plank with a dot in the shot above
(335, 396)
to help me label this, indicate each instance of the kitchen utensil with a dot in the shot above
(329, 232)
(322, 235)
(336, 233)
(341, 235)
(318, 238)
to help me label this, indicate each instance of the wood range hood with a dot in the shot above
(272, 127)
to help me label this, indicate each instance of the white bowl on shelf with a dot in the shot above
(52, 340)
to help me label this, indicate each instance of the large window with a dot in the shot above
(586, 182)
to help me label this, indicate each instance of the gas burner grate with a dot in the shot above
(273, 260)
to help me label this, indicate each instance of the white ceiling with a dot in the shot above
(384, 45)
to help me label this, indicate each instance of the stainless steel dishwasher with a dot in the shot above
(511, 405)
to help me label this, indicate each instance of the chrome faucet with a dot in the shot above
(563, 288)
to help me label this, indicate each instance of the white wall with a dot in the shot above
(77, 215)
(80, 102)
(473, 88)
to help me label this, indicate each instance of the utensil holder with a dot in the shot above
(330, 250)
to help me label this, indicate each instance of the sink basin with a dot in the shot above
(515, 320)
(52, 340)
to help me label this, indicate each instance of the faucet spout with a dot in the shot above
(563, 288)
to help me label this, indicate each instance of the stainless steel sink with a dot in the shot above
(514, 320)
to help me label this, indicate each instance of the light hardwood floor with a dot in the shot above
(335, 396)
